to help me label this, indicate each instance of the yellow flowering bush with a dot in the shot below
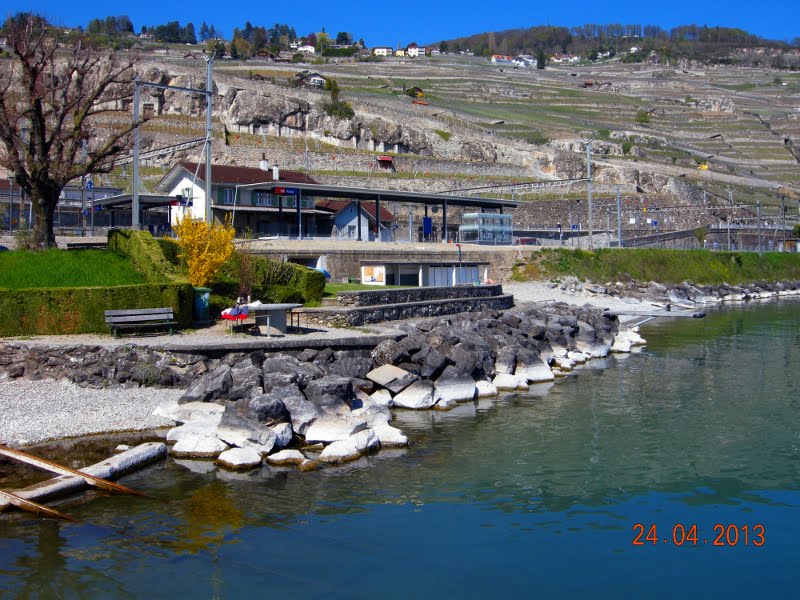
(204, 248)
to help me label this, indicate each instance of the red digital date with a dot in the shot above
(723, 535)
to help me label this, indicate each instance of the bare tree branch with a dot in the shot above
(54, 102)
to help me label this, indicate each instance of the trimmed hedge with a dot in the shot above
(154, 259)
(269, 274)
(80, 310)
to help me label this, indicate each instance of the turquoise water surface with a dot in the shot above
(536, 494)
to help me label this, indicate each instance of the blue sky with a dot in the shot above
(393, 23)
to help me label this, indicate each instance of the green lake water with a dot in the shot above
(532, 494)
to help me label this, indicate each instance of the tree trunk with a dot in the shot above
(44, 199)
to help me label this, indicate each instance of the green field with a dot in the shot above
(65, 268)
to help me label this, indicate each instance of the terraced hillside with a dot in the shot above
(484, 125)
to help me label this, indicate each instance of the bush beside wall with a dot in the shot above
(80, 310)
(148, 255)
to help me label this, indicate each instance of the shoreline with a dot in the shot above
(51, 410)
(48, 411)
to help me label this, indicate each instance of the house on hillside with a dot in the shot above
(400, 52)
(307, 49)
(414, 51)
(347, 223)
(383, 51)
(271, 211)
(310, 80)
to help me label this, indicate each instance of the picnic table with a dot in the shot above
(271, 318)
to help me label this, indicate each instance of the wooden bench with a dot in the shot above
(140, 318)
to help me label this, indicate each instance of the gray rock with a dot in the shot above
(340, 451)
(245, 380)
(390, 436)
(199, 446)
(327, 429)
(393, 378)
(433, 364)
(283, 435)
(212, 386)
(366, 441)
(268, 409)
(286, 457)
(382, 397)
(303, 412)
(418, 396)
(239, 459)
(506, 360)
(373, 414)
(389, 352)
(239, 432)
(332, 393)
(301, 372)
(458, 388)
(356, 368)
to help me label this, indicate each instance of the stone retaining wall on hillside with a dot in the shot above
(391, 296)
(356, 317)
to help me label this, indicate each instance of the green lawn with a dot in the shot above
(331, 289)
(65, 268)
(665, 266)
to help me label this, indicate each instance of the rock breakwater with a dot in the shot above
(333, 406)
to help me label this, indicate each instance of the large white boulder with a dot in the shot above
(535, 373)
(176, 434)
(340, 451)
(508, 381)
(390, 436)
(199, 446)
(459, 389)
(286, 457)
(485, 388)
(330, 429)
(382, 397)
(626, 339)
(418, 396)
(198, 412)
(239, 458)
(366, 441)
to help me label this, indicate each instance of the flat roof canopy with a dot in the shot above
(335, 191)
(145, 201)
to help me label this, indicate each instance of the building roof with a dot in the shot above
(337, 206)
(228, 175)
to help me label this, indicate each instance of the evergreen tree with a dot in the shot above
(203, 32)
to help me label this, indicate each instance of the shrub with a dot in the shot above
(267, 274)
(204, 248)
(145, 252)
(642, 117)
(339, 109)
(49, 311)
(626, 147)
(445, 135)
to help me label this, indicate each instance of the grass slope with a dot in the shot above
(664, 266)
(65, 268)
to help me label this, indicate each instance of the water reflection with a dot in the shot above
(702, 425)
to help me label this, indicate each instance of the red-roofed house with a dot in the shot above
(263, 211)
(346, 221)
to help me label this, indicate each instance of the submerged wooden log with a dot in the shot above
(111, 468)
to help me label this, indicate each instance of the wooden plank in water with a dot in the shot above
(62, 470)
(33, 507)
